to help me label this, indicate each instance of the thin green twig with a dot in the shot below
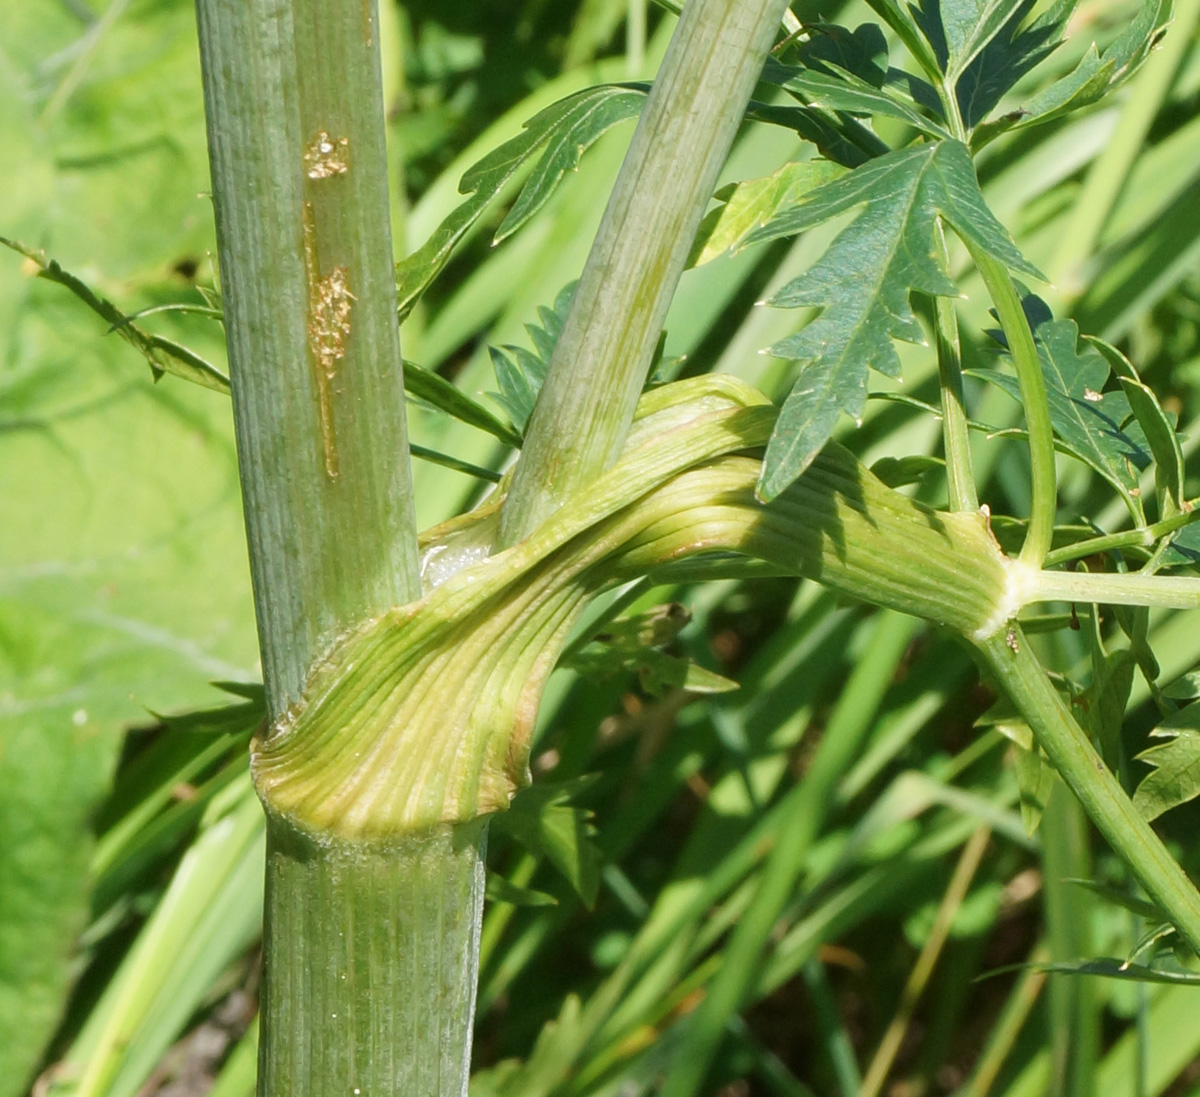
(1025, 358)
(956, 439)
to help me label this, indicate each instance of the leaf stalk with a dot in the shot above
(1019, 335)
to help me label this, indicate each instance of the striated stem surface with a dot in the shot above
(296, 140)
(600, 363)
(372, 952)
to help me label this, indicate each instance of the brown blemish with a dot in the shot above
(329, 305)
(326, 156)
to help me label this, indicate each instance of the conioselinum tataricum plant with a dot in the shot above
(403, 671)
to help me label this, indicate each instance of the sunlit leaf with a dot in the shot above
(1097, 74)
(749, 205)
(560, 134)
(863, 283)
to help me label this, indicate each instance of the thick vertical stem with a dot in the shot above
(602, 357)
(369, 950)
(295, 130)
(372, 954)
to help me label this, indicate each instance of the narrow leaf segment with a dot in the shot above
(560, 134)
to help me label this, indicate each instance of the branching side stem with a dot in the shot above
(1119, 589)
(1132, 538)
(956, 439)
(1024, 352)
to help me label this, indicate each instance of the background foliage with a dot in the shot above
(130, 843)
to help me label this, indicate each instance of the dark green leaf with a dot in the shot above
(898, 15)
(543, 819)
(436, 457)
(862, 51)
(560, 133)
(863, 283)
(1096, 74)
(164, 355)
(1010, 53)
(1185, 547)
(969, 25)
(1085, 417)
(500, 890)
(839, 138)
(839, 90)
(1176, 775)
(520, 373)
(434, 389)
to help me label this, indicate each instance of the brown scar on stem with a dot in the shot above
(329, 305)
(326, 156)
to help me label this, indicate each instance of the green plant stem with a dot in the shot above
(600, 363)
(309, 297)
(956, 440)
(371, 962)
(1022, 677)
(1146, 537)
(918, 978)
(369, 950)
(1119, 589)
(840, 744)
(1025, 358)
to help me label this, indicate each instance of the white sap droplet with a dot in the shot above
(79, 717)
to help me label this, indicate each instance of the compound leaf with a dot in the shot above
(560, 133)
(1086, 419)
(863, 283)
(1097, 73)
(1175, 778)
(521, 372)
(1010, 53)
